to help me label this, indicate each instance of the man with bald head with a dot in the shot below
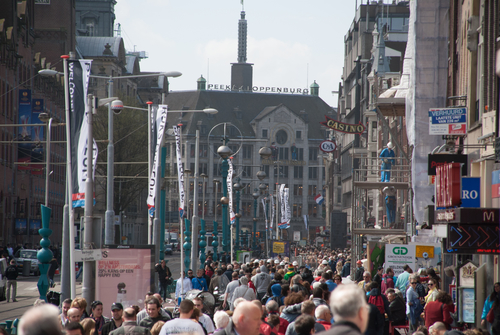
(74, 314)
(129, 325)
(246, 320)
(350, 310)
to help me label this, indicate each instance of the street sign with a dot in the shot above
(448, 121)
(327, 146)
(88, 255)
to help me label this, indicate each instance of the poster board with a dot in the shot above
(280, 248)
(124, 274)
(398, 255)
(376, 255)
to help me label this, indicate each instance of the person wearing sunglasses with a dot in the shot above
(413, 306)
(433, 291)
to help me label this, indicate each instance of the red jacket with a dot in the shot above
(283, 325)
(436, 311)
(325, 324)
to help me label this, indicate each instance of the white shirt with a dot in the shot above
(230, 289)
(207, 323)
(188, 285)
(181, 326)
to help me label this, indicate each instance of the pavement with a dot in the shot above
(27, 291)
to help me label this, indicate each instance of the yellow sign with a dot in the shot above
(279, 247)
(421, 249)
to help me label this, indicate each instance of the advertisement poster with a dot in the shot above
(20, 227)
(398, 255)
(448, 121)
(24, 132)
(468, 305)
(124, 274)
(35, 224)
(37, 134)
(280, 248)
(427, 255)
(296, 236)
(376, 255)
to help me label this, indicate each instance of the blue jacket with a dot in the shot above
(386, 154)
(200, 284)
(331, 285)
(486, 308)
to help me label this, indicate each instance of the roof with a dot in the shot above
(91, 46)
(241, 108)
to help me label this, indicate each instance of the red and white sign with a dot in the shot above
(328, 146)
(448, 185)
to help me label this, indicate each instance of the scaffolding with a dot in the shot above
(365, 180)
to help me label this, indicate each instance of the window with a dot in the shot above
(233, 148)
(247, 171)
(298, 134)
(246, 208)
(300, 154)
(311, 190)
(313, 210)
(266, 170)
(203, 168)
(247, 152)
(281, 137)
(313, 172)
(264, 133)
(297, 189)
(216, 170)
(203, 150)
(283, 153)
(374, 131)
(298, 172)
(283, 171)
(313, 154)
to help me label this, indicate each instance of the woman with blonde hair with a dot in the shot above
(81, 304)
(157, 327)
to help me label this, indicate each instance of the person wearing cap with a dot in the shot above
(290, 273)
(116, 319)
(359, 272)
(387, 162)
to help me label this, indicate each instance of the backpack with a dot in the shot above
(378, 302)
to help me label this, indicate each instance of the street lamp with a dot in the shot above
(224, 151)
(255, 196)
(203, 243)
(237, 188)
(44, 255)
(215, 242)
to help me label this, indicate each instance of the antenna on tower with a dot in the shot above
(242, 5)
(118, 29)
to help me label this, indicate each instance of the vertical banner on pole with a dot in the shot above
(37, 134)
(180, 171)
(264, 209)
(161, 121)
(232, 216)
(272, 211)
(79, 75)
(24, 150)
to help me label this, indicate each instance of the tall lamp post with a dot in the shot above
(265, 153)
(202, 242)
(44, 255)
(237, 188)
(255, 196)
(215, 242)
(224, 152)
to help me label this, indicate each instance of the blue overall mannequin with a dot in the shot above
(387, 163)
(390, 204)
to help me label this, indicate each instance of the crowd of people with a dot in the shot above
(278, 296)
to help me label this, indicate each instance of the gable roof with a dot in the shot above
(241, 108)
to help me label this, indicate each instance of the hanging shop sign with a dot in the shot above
(476, 216)
(441, 159)
(343, 127)
(448, 121)
(327, 146)
(480, 238)
(448, 185)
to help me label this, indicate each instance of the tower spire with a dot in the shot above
(242, 38)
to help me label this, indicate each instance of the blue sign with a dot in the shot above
(447, 115)
(471, 192)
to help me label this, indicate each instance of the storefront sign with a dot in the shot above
(448, 185)
(343, 127)
(471, 192)
(399, 255)
(433, 161)
(474, 239)
(475, 216)
(327, 146)
(448, 121)
(264, 89)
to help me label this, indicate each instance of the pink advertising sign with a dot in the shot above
(124, 274)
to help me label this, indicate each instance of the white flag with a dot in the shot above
(154, 178)
(180, 170)
(232, 216)
(264, 208)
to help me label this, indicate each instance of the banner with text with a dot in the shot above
(161, 121)
(124, 273)
(232, 217)
(180, 170)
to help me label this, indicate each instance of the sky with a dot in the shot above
(291, 43)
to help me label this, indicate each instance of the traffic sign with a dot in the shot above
(328, 146)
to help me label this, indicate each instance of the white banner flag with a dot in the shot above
(264, 208)
(306, 221)
(180, 170)
(272, 210)
(154, 178)
(229, 179)
(282, 200)
(288, 212)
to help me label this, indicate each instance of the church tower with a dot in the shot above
(95, 17)
(242, 72)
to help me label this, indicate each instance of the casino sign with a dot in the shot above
(343, 127)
